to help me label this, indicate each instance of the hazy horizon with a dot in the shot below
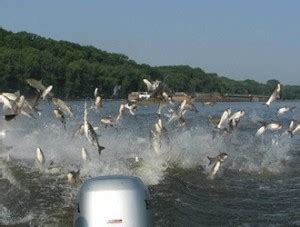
(250, 40)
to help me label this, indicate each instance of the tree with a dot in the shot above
(75, 71)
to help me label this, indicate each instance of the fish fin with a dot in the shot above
(9, 117)
(265, 104)
(51, 163)
(210, 160)
(100, 148)
(263, 123)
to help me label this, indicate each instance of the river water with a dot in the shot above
(259, 183)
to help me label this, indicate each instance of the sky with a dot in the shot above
(257, 39)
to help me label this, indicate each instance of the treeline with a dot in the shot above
(76, 70)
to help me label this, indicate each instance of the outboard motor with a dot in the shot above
(113, 201)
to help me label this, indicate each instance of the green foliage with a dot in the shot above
(76, 70)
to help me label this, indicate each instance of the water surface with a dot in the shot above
(259, 184)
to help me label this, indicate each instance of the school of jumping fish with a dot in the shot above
(15, 104)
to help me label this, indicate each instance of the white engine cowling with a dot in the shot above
(113, 201)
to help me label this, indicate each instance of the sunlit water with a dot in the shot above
(258, 184)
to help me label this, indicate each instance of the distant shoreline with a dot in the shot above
(207, 97)
(157, 101)
(75, 71)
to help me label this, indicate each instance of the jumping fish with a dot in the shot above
(296, 129)
(121, 111)
(289, 129)
(84, 155)
(178, 112)
(62, 106)
(274, 126)
(90, 133)
(215, 164)
(131, 107)
(73, 176)
(6, 102)
(155, 142)
(261, 130)
(96, 92)
(36, 84)
(234, 120)
(284, 110)
(10, 98)
(151, 86)
(270, 126)
(157, 89)
(159, 108)
(189, 105)
(16, 108)
(116, 90)
(108, 121)
(40, 157)
(167, 97)
(291, 126)
(98, 99)
(98, 102)
(275, 95)
(161, 131)
(46, 91)
(224, 119)
(237, 115)
(92, 136)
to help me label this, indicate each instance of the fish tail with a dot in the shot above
(265, 104)
(210, 159)
(100, 148)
